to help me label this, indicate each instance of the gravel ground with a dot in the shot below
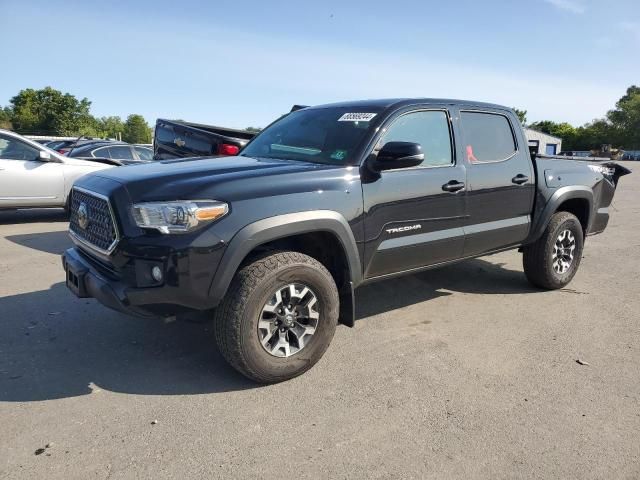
(462, 372)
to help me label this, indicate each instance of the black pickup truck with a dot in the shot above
(322, 201)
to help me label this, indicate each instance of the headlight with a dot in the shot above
(179, 216)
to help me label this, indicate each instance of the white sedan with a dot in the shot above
(32, 175)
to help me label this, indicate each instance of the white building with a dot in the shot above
(543, 142)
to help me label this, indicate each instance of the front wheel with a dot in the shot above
(552, 261)
(278, 317)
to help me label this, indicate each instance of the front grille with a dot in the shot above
(99, 230)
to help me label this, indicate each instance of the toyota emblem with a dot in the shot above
(83, 216)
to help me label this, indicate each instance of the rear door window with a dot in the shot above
(488, 137)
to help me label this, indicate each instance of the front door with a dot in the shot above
(25, 180)
(414, 217)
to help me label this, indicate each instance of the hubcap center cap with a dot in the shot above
(289, 318)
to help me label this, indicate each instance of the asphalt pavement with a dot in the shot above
(462, 372)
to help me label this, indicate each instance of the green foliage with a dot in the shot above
(522, 115)
(621, 127)
(625, 119)
(50, 112)
(111, 127)
(253, 129)
(5, 118)
(136, 130)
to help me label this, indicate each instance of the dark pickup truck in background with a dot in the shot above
(180, 139)
(177, 139)
(278, 239)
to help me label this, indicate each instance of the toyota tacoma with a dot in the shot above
(277, 239)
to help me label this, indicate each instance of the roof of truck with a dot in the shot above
(399, 102)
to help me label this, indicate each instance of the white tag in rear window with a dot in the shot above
(356, 117)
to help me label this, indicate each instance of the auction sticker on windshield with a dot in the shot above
(356, 117)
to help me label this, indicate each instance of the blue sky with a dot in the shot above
(242, 64)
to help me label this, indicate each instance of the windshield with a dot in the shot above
(320, 135)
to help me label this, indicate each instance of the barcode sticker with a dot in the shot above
(356, 117)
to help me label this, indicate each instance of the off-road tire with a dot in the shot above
(537, 258)
(236, 318)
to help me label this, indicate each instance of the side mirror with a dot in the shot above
(398, 155)
(44, 156)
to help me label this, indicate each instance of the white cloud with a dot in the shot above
(572, 6)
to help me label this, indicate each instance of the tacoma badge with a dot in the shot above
(417, 226)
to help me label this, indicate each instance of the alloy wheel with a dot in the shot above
(288, 320)
(563, 251)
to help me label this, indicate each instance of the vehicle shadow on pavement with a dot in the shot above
(53, 345)
(471, 276)
(9, 217)
(49, 242)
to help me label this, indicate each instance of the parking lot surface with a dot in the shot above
(462, 372)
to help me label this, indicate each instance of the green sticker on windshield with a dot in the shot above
(339, 154)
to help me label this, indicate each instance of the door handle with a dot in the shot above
(520, 179)
(453, 186)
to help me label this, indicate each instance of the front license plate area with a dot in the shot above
(76, 279)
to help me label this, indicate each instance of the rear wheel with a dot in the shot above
(553, 260)
(278, 317)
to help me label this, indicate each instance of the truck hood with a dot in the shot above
(201, 178)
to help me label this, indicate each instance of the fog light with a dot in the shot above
(156, 273)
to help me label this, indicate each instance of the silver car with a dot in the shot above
(32, 175)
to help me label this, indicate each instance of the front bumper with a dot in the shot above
(87, 278)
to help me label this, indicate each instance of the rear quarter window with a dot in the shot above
(144, 153)
(102, 152)
(488, 137)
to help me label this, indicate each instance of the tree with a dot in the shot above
(522, 115)
(136, 130)
(5, 118)
(50, 112)
(625, 119)
(111, 127)
(593, 135)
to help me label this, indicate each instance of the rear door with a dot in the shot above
(413, 217)
(500, 181)
(25, 180)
